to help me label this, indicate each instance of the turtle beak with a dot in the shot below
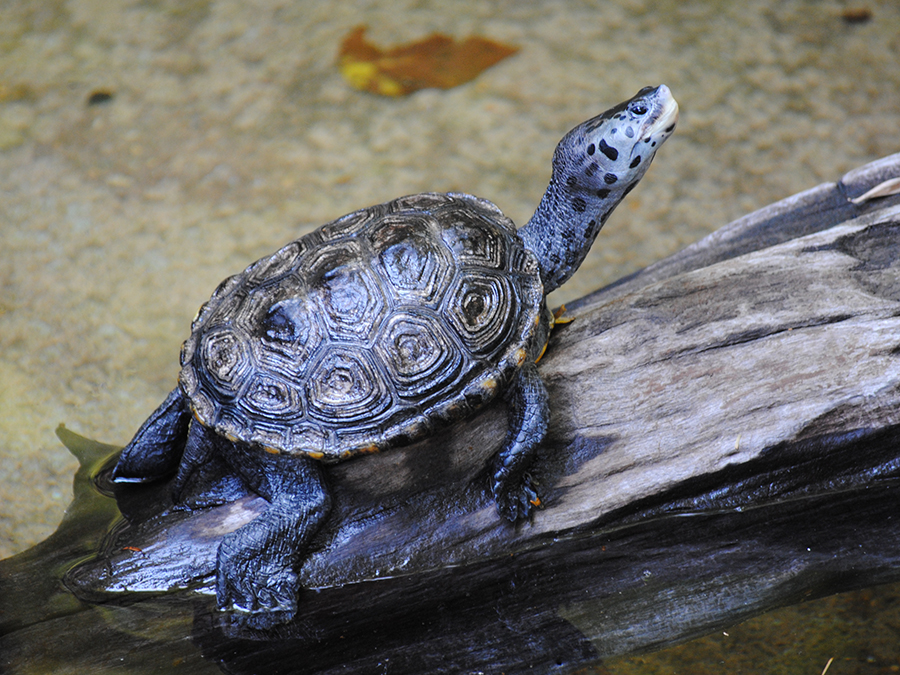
(668, 113)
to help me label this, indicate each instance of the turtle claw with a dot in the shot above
(515, 500)
(255, 583)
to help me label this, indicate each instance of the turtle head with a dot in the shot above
(611, 152)
(595, 166)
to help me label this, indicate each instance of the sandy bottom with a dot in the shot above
(231, 132)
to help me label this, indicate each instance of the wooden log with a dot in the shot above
(724, 440)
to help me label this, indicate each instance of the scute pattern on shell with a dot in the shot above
(369, 332)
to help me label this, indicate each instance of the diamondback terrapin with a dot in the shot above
(375, 330)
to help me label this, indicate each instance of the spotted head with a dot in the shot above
(595, 166)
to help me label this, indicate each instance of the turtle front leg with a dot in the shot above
(256, 564)
(529, 417)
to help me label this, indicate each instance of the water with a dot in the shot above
(856, 632)
(230, 132)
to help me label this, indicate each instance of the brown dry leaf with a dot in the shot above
(436, 61)
(16, 92)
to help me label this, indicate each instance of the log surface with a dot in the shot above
(724, 439)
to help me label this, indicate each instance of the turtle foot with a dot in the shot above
(256, 565)
(515, 499)
(248, 581)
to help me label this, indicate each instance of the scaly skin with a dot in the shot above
(594, 167)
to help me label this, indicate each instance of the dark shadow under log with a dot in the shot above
(724, 441)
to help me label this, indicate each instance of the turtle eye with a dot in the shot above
(639, 108)
(278, 324)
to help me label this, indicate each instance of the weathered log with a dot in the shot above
(724, 440)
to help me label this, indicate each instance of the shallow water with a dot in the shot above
(230, 132)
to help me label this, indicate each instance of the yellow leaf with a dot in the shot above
(436, 61)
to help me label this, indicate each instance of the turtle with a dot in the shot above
(374, 331)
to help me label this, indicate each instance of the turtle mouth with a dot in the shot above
(667, 115)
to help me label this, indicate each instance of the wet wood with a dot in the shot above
(724, 440)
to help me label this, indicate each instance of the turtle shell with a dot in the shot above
(370, 332)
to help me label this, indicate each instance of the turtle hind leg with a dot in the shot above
(156, 448)
(199, 449)
(529, 417)
(256, 564)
